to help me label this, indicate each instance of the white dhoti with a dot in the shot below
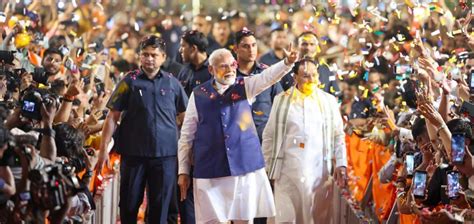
(233, 198)
(304, 190)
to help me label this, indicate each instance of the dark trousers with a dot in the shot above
(186, 207)
(158, 175)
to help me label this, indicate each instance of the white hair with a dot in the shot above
(217, 54)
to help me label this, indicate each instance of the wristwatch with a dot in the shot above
(47, 132)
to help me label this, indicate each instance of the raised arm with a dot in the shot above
(256, 84)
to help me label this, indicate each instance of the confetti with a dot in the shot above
(366, 76)
(456, 32)
(435, 33)
(258, 113)
(136, 27)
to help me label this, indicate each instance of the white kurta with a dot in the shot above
(304, 187)
(235, 197)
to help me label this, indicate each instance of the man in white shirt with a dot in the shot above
(230, 183)
(302, 142)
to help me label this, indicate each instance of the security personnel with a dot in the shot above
(246, 52)
(193, 51)
(147, 102)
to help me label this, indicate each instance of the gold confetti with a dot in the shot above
(245, 121)
(259, 113)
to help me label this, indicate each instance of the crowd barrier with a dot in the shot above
(107, 201)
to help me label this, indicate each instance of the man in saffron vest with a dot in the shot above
(219, 137)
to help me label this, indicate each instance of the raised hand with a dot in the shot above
(291, 55)
(463, 23)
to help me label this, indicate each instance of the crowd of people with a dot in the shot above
(250, 116)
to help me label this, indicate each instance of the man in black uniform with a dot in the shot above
(147, 101)
(193, 51)
(246, 51)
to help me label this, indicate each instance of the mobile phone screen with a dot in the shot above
(419, 184)
(410, 163)
(453, 184)
(457, 147)
(471, 80)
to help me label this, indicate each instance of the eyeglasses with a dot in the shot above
(233, 65)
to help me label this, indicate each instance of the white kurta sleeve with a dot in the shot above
(185, 142)
(256, 84)
(268, 133)
(339, 139)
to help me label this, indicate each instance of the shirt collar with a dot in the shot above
(272, 53)
(143, 74)
(205, 64)
(255, 67)
(219, 87)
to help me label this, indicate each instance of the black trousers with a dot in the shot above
(158, 175)
(184, 208)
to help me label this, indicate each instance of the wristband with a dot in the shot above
(68, 98)
(47, 132)
(441, 128)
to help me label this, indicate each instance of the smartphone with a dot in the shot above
(69, 64)
(419, 184)
(410, 163)
(453, 184)
(64, 50)
(457, 148)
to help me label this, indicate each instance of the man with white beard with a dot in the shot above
(230, 183)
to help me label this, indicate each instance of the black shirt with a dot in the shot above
(172, 67)
(270, 58)
(262, 105)
(190, 77)
(149, 108)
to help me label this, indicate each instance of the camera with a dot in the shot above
(12, 76)
(40, 76)
(33, 99)
(53, 184)
(7, 57)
